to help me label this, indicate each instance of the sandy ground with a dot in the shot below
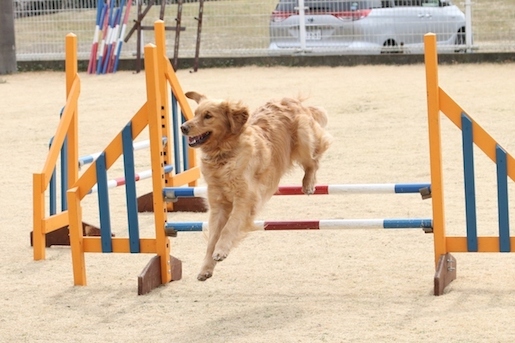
(316, 286)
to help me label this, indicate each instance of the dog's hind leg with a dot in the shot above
(312, 143)
(308, 159)
(217, 221)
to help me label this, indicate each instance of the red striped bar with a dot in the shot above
(327, 224)
(366, 188)
(120, 181)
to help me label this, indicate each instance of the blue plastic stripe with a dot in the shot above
(175, 128)
(130, 189)
(408, 223)
(178, 192)
(64, 170)
(192, 226)
(103, 204)
(502, 200)
(86, 160)
(185, 156)
(470, 189)
(64, 174)
(52, 187)
(410, 187)
(53, 191)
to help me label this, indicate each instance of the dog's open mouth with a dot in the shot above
(198, 140)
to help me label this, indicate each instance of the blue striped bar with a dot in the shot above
(176, 135)
(318, 224)
(103, 204)
(502, 200)
(408, 223)
(400, 188)
(130, 188)
(411, 187)
(470, 189)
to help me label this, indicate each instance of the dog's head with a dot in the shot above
(215, 122)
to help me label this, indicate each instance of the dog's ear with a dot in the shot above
(195, 96)
(237, 114)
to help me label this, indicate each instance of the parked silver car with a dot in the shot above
(24, 8)
(365, 26)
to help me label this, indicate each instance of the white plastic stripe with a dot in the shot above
(141, 145)
(350, 223)
(260, 224)
(362, 188)
(200, 192)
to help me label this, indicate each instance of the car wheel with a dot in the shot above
(390, 47)
(461, 40)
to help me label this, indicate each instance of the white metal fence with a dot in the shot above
(247, 27)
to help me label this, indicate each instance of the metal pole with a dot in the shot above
(468, 25)
(302, 26)
(7, 42)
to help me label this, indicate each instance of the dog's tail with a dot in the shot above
(319, 114)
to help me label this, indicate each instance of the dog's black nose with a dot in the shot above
(185, 129)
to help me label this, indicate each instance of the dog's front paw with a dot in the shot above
(204, 275)
(220, 256)
(308, 190)
(308, 185)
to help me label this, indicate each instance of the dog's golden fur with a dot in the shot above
(243, 158)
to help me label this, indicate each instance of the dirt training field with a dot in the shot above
(307, 286)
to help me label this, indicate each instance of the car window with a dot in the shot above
(329, 6)
(430, 3)
(408, 3)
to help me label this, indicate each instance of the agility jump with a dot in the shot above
(472, 134)
(160, 79)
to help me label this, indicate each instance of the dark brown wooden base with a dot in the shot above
(150, 277)
(61, 236)
(445, 273)
(196, 204)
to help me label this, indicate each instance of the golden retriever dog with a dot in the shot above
(244, 156)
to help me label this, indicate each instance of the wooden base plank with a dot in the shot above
(150, 277)
(445, 273)
(61, 236)
(196, 204)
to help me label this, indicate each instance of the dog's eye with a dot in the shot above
(208, 116)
